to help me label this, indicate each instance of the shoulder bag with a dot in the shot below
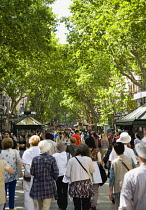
(27, 175)
(103, 174)
(72, 148)
(124, 164)
(18, 166)
(27, 170)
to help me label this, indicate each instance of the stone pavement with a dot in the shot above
(103, 203)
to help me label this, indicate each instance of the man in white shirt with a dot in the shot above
(125, 139)
(133, 193)
(61, 158)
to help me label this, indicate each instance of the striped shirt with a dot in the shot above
(133, 193)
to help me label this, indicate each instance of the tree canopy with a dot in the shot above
(83, 78)
(115, 28)
(27, 35)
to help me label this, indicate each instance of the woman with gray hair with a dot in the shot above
(27, 157)
(61, 158)
(44, 171)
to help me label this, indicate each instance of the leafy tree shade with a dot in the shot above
(82, 78)
(27, 34)
(116, 28)
(26, 26)
(96, 83)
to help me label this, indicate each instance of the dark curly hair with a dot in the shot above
(83, 150)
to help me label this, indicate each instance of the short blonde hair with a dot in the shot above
(34, 140)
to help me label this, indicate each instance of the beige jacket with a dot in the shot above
(120, 171)
(4, 166)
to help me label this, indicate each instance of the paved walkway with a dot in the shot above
(103, 203)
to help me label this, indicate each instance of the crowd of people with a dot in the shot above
(67, 164)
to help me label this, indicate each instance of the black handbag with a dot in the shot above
(103, 174)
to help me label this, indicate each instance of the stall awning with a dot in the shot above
(137, 116)
(29, 121)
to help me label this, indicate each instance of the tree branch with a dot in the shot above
(136, 55)
(15, 102)
(129, 74)
(90, 105)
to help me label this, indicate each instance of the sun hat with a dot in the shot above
(44, 146)
(61, 147)
(124, 138)
(141, 148)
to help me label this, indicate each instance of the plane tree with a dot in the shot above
(27, 34)
(116, 28)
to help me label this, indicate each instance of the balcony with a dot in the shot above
(139, 95)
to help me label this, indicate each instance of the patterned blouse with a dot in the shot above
(11, 155)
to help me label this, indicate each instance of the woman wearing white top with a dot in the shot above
(96, 158)
(81, 188)
(104, 145)
(61, 158)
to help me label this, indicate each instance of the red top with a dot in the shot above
(77, 138)
(117, 137)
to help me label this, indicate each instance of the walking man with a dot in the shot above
(133, 193)
(119, 168)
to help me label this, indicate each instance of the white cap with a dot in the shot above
(44, 146)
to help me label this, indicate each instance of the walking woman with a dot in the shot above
(4, 166)
(96, 158)
(45, 172)
(104, 145)
(78, 170)
(12, 157)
